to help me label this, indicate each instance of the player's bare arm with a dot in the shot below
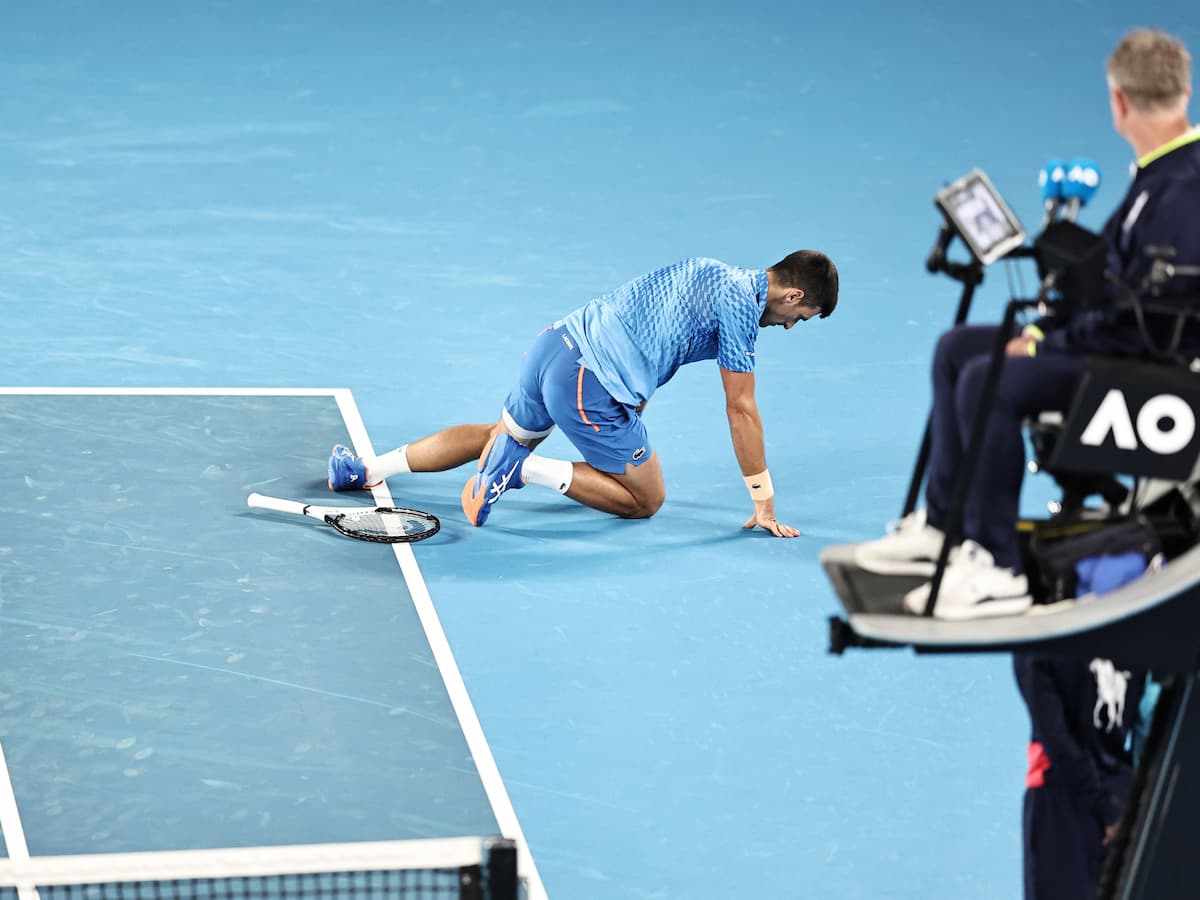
(745, 428)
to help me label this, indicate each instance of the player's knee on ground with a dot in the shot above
(645, 507)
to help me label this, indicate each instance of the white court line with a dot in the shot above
(176, 392)
(489, 772)
(10, 815)
(10, 823)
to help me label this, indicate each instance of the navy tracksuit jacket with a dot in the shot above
(1080, 765)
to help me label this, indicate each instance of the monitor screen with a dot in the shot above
(980, 216)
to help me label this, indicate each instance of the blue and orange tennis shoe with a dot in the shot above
(499, 471)
(346, 471)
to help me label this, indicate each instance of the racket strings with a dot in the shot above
(386, 524)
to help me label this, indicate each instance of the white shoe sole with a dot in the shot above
(988, 609)
(876, 566)
(915, 600)
(1046, 609)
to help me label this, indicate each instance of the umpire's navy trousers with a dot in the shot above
(1028, 385)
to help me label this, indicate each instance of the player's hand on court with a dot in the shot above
(764, 517)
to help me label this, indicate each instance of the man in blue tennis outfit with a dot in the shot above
(591, 375)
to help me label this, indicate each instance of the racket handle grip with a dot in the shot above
(261, 501)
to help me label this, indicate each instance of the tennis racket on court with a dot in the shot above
(380, 524)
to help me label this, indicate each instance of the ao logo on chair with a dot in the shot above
(1113, 417)
(1131, 419)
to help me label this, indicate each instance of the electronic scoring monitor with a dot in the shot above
(979, 214)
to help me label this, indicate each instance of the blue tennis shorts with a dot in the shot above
(555, 388)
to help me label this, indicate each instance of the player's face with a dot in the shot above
(787, 311)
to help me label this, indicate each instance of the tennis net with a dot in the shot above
(447, 869)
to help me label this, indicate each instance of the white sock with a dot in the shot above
(555, 474)
(394, 462)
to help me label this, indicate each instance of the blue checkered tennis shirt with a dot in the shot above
(636, 337)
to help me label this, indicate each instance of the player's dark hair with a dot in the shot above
(812, 272)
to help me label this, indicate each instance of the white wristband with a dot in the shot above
(760, 486)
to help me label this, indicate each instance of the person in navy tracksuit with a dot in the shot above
(1080, 766)
(1149, 77)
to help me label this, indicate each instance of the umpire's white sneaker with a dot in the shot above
(911, 548)
(973, 587)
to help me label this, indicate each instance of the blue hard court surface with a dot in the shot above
(395, 198)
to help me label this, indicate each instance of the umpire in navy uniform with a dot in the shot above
(1149, 80)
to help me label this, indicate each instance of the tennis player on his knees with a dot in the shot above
(592, 373)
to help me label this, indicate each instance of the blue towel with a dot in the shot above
(1107, 572)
